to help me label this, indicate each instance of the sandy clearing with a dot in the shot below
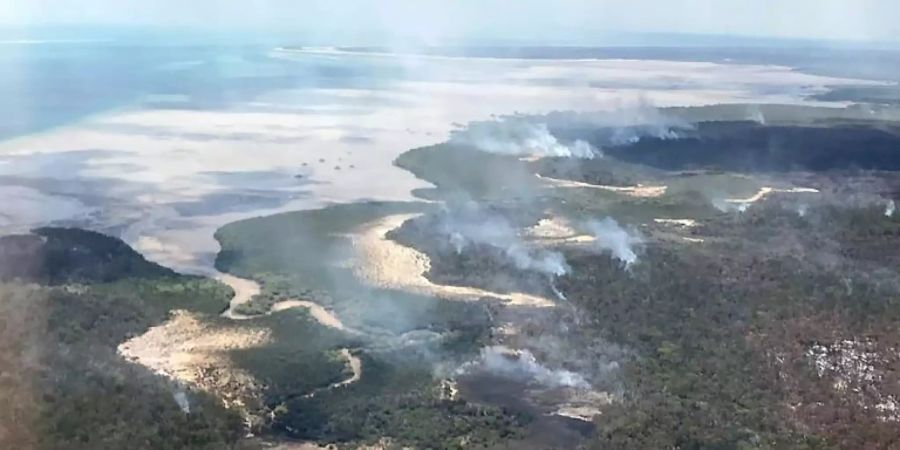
(683, 223)
(166, 199)
(317, 311)
(556, 231)
(766, 190)
(638, 190)
(245, 290)
(385, 263)
(552, 228)
(193, 351)
(584, 413)
(355, 366)
(585, 404)
(299, 446)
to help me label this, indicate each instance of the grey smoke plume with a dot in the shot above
(535, 135)
(514, 135)
(521, 365)
(624, 125)
(472, 226)
(729, 206)
(182, 400)
(610, 236)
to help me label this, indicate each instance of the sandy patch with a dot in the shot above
(195, 352)
(585, 405)
(683, 223)
(317, 311)
(765, 191)
(555, 230)
(585, 413)
(244, 291)
(163, 166)
(638, 190)
(355, 365)
(385, 263)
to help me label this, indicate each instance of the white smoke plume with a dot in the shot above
(726, 206)
(519, 136)
(623, 125)
(473, 226)
(610, 236)
(182, 400)
(890, 209)
(521, 365)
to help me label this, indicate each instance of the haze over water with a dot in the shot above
(162, 144)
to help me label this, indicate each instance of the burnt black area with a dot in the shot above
(64, 255)
(546, 431)
(753, 147)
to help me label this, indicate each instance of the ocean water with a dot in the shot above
(52, 83)
(162, 143)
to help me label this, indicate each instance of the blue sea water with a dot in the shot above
(50, 82)
(47, 84)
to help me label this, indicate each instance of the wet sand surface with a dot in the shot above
(170, 177)
(165, 178)
(385, 263)
(639, 190)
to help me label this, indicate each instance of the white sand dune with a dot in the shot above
(765, 191)
(245, 290)
(193, 351)
(164, 166)
(190, 349)
(385, 263)
(555, 231)
(638, 190)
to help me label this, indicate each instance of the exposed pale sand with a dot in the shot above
(159, 162)
(585, 413)
(299, 446)
(556, 230)
(189, 349)
(385, 263)
(355, 365)
(449, 389)
(632, 191)
(764, 191)
(244, 291)
(193, 351)
(552, 228)
(317, 311)
(683, 223)
(585, 404)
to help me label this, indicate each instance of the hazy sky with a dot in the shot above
(436, 21)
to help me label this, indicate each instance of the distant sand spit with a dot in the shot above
(385, 263)
(166, 179)
(639, 190)
(191, 350)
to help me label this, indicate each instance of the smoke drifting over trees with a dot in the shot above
(519, 136)
(472, 225)
(620, 242)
